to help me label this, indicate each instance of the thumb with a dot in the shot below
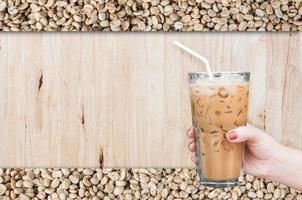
(245, 134)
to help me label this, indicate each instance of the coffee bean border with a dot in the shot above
(129, 184)
(151, 15)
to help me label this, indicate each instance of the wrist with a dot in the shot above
(286, 167)
(276, 162)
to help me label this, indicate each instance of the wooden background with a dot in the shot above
(65, 99)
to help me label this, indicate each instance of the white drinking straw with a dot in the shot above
(200, 57)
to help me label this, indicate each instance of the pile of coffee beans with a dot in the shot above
(150, 15)
(144, 183)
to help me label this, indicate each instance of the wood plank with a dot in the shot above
(65, 98)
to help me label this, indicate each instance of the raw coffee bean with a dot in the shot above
(2, 189)
(74, 179)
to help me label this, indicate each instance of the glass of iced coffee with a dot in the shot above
(218, 104)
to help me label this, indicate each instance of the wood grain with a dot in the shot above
(76, 100)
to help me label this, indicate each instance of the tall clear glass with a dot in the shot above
(218, 105)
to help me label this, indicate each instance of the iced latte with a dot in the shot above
(218, 105)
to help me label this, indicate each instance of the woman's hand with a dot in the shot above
(259, 152)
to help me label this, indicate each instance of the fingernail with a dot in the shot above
(232, 135)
